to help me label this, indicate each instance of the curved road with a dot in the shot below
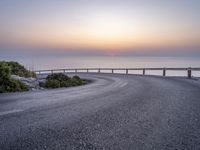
(112, 112)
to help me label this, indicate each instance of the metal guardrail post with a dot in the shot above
(126, 71)
(164, 72)
(76, 70)
(189, 73)
(143, 72)
(112, 70)
(51, 71)
(87, 70)
(99, 70)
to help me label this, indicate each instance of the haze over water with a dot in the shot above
(107, 62)
(59, 62)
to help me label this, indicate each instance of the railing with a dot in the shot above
(99, 70)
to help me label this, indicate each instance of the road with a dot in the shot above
(114, 111)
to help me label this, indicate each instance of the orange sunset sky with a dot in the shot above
(100, 25)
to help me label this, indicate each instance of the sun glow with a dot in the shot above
(102, 29)
(108, 27)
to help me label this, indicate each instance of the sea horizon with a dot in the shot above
(60, 62)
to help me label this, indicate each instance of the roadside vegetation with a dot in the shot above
(58, 80)
(25, 80)
(20, 70)
(6, 83)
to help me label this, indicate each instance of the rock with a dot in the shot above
(31, 83)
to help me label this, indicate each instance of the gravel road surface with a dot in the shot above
(114, 111)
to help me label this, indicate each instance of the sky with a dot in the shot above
(100, 27)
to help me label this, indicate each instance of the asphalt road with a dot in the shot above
(113, 112)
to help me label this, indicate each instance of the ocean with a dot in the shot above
(57, 62)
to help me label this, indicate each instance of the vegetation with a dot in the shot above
(6, 83)
(61, 80)
(52, 83)
(18, 69)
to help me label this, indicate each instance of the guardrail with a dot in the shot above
(99, 70)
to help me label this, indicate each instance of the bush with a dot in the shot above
(61, 80)
(6, 83)
(18, 69)
(58, 76)
(5, 72)
(17, 86)
(52, 83)
(76, 80)
(64, 83)
(13, 86)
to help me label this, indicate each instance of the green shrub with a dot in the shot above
(18, 69)
(61, 80)
(12, 86)
(64, 83)
(76, 80)
(17, 86)
(52, 83)
(58, 76)
(5, 72)
(6, 83)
